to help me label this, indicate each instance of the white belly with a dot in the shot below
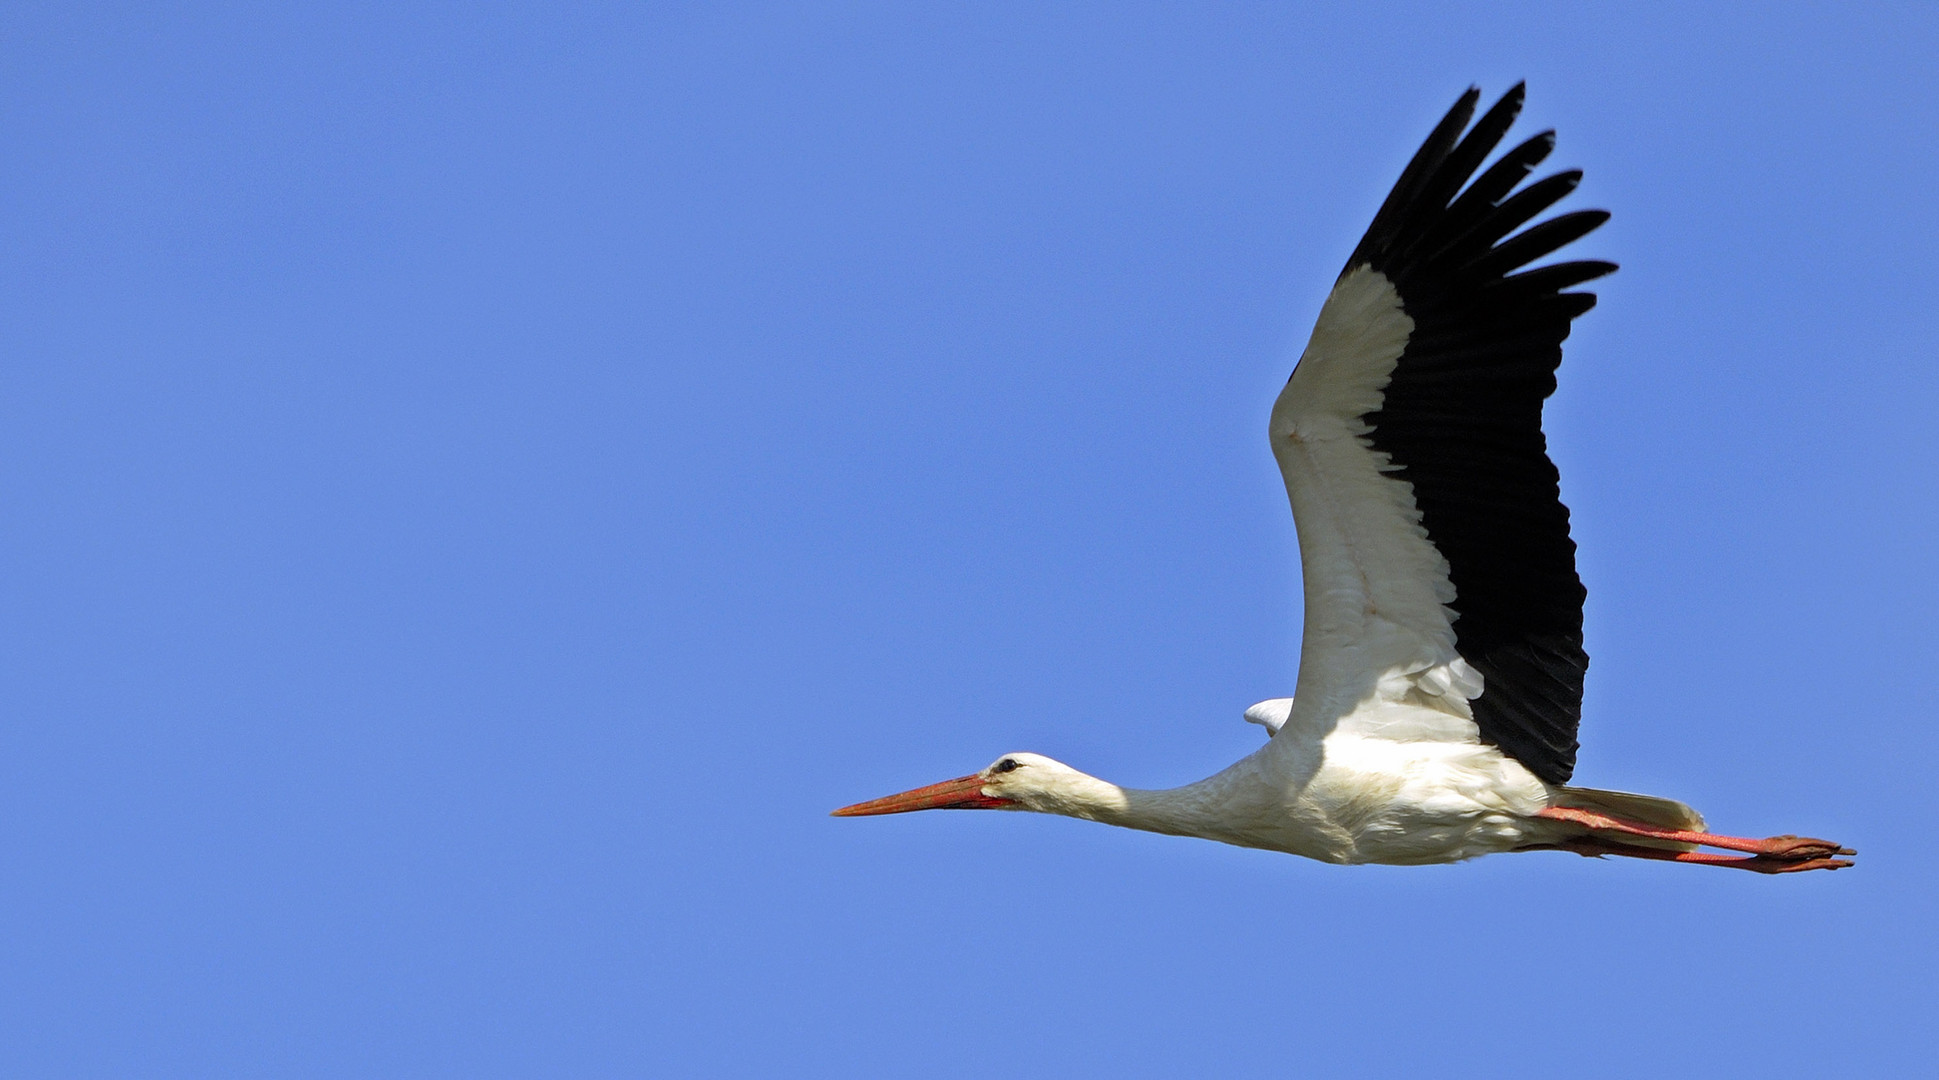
(1407, 803)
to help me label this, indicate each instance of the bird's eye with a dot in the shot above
(1006, 765)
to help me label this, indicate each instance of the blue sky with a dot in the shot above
(481, 482)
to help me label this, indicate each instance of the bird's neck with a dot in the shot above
(1184, 811)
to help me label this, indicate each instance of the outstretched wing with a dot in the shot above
(1435, 547)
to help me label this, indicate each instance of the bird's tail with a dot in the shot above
(1648, 809)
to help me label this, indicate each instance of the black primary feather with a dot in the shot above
(1461, 418)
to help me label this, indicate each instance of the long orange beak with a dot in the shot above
(962, 793)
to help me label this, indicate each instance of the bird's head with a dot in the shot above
(1012, 782)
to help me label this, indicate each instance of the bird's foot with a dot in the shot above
(1765, 864)
(1802, 848)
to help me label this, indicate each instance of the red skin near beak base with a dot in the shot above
(962, 793)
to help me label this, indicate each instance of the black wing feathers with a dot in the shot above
(1393, 213)
(1462, 417)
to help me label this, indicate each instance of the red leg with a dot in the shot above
(1762, 864)
(1793, 848)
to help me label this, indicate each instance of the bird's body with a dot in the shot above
(1441, 666)
(1343, 797)
(1346, 798)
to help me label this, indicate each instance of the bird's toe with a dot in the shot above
(1792, 866)
(1801, 847)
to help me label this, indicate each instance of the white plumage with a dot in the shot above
(1441, 664)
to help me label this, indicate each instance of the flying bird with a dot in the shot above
(1441, 668)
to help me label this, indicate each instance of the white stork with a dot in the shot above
(1440, 673)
